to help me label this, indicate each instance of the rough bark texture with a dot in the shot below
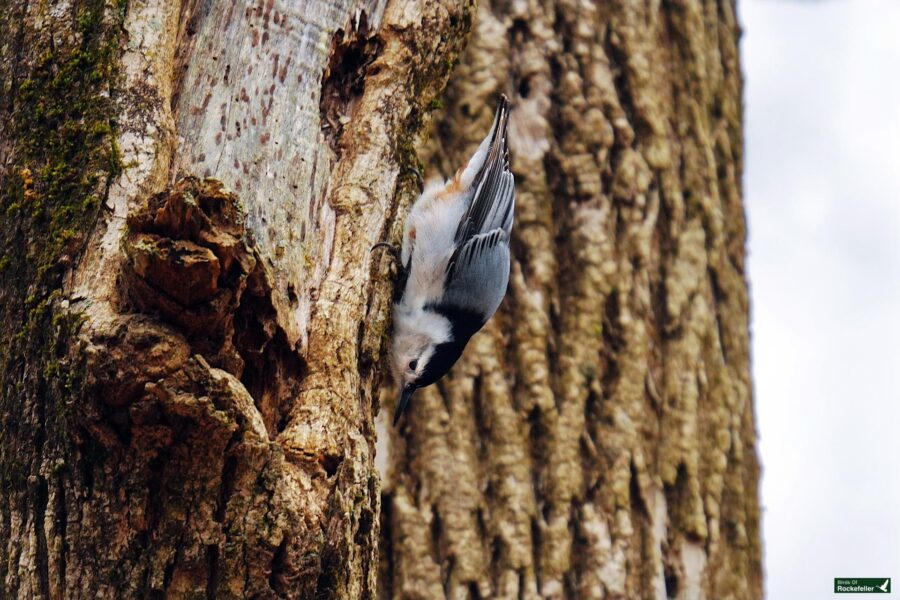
(187, 384)
(597, 439)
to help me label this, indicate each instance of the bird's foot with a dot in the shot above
(392, 249)
(402, 273)
(420, 181)
(395, 255)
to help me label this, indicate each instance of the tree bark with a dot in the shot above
(193, 325)
(190, 314)
(597, 439)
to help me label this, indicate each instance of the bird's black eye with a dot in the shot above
(413, 364)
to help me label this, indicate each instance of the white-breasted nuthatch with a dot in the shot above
(454, 263)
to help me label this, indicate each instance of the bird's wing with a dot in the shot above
(478, 269)
(476, 280)
(493, 197)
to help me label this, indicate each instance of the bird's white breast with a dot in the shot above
(431, 227)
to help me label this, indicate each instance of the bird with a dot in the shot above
(454, 263)
(884, 586)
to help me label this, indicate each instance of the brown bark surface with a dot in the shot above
(192, 324)
(186, 400)
(597, 439)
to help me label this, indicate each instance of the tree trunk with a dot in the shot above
(597, 439)
(188, 368)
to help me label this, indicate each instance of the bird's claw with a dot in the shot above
(420, 180)
(392, 249)
(402, 272)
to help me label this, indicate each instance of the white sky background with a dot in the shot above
(822, 191)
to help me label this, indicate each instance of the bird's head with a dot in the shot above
(423, 351)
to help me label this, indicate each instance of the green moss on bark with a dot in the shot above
(59, 139)
(64, 151)
(63, 155)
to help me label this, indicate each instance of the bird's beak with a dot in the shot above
(405, 395)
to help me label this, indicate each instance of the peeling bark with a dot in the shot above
(597, 439)
(191, 191)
